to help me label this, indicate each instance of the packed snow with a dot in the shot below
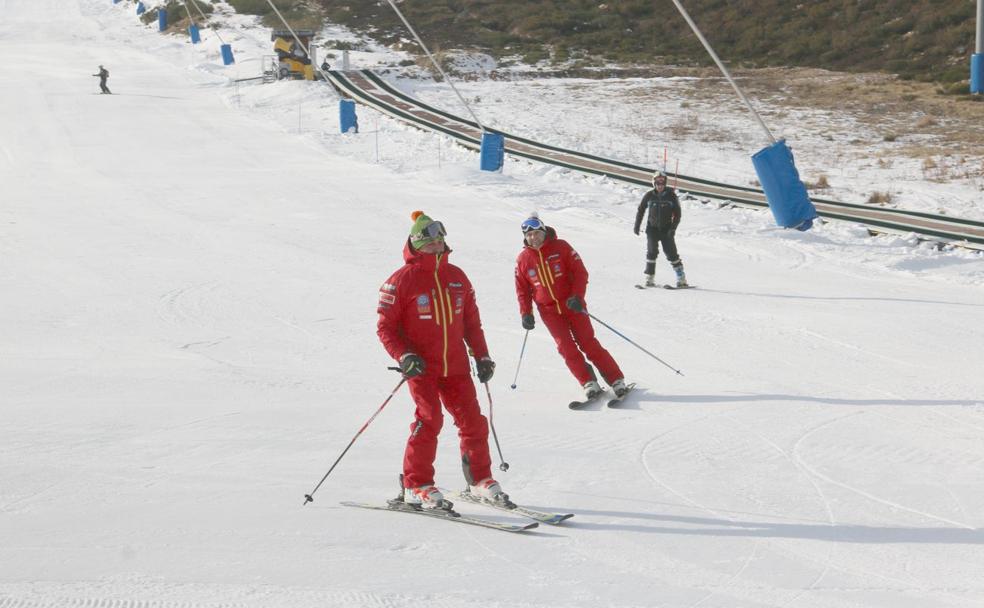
(189, 273)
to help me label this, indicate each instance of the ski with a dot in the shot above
(644, 286)
(541, 516)
(402, 507)
(616, 401)
(682, 287)
(580, 405)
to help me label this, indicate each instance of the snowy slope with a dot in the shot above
(187, 342)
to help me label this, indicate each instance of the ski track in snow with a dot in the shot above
(826, 505)
(859, 491)
(810, 474)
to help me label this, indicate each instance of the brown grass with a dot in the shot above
(880, 198)
(890, 106)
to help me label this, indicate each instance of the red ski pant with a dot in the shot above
(575, 335)
(458, 395)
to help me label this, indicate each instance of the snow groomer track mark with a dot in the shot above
(371, 90)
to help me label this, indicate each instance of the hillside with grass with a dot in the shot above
(928, 40)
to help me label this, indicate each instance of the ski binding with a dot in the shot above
(614, 402)
(541, 516)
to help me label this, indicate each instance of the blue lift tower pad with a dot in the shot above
(493, 151)
(788, 200)
(977, 73)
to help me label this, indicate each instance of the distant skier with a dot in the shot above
(427, 316)
(664, 216)
(550, 273)
(103, 77)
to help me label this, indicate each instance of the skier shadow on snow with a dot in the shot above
(839, 533)
(154, 96)
(808, 399)
(140, 95)
(638, 397)
(839, 298)
(632, 401)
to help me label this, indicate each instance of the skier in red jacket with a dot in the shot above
(427, 316)
(550, 273)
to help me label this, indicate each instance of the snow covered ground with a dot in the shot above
(188, 277)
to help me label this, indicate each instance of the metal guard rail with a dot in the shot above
(371, 90)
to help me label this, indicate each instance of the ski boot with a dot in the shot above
(681, 276)
(423, 497)
(592, 389)
(491, 492)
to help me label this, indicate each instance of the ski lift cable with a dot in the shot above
(436, 64)
(303, 47)
(723, 69)
(205, 18)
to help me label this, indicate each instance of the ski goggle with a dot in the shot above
(534, 223)
(431, 231)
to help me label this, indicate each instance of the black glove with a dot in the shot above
(529, 322)
(485, 368)
(636, 230)
(574, 303)
(411, 365)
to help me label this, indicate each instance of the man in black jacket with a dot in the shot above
(103, 76)
(664, 216)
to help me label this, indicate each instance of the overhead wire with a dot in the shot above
(437, 65)
(303, 47)
(204, 18)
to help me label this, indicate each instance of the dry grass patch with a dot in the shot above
(821, 183)
(880, 198)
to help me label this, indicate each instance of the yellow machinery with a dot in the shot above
(293, 61)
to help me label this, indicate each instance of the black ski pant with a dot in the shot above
(102, 85)
(654, 238)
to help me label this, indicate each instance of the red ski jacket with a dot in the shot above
(549, 275)
(428, 307)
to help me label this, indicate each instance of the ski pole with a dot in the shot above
(308, 497)
(521, 351)
(503, 465)
(624, 337)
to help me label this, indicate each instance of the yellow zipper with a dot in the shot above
(440, 310)
(546, 277)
